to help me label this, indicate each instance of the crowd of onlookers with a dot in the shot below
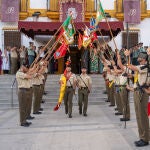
(13, 57)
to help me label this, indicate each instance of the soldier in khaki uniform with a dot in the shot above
(32, 72)
(36, 93)
(106, 82)
(24, 89)
(42, 79)
(45, 74)
(111, 78)
(141, 99)
(84, 85)
(117, 95)
(124, 95)
(70, 89)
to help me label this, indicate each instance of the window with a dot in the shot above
(12, 38)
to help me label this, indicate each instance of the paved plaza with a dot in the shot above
(101, 130)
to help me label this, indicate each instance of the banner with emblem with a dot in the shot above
(132, 11)
(10, 10)
(76, 7)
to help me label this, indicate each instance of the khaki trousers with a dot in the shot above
(29, 103)
(140, 102)
(68, 100)
(41, 91)
(125, 102)
(83, 100)
(107, 89)
(118, 100)
(23, 97)
(36, 100)
(111, 95)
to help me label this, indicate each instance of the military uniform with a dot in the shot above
(24, 90)
(36, 92)
(111, 89)
(84, 83)
(29, 106)
(106, 81)
(124, 97)
(45, 77)
(70, 87)
(117, 95)
(140, 102)
(41, 79)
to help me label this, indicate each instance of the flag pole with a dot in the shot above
(109, 28)
(46, 46)
(105, 42)
(111, 32)
(128, 59)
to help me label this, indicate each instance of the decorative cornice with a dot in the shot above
(54, 15)
(10, 28)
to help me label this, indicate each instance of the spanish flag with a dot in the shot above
(61, 51)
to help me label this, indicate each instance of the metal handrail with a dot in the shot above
(12, 97)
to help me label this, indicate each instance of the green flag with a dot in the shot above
(68, 26)
(100, 13)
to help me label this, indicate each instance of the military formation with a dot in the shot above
(31, 83)
(123, 75)
(30, 90)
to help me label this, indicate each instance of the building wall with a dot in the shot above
(108, 4)
(42, 4)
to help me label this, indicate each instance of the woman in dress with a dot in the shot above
(6, 61)
(94, 62)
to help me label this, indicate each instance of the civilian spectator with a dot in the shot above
(31, 53)
(22, 52)
(14, 60)
(6, 61)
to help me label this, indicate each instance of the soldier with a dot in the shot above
(24, 86)
(45, 74)
(123, 81)
(141, 98)
(36, 92)
(84, 84)
(107, 69)
(111, 89)
(41, 79)
(70, 88)
(117, 94)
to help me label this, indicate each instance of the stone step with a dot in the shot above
(52, 88)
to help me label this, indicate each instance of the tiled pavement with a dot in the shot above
(101, 130)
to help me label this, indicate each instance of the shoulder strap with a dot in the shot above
(83, 81)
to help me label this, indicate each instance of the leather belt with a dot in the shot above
(69, 87)
(120, 85)
(82, 88)
(35, 85)
(26, 89)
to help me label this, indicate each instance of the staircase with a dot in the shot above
(9, 94)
